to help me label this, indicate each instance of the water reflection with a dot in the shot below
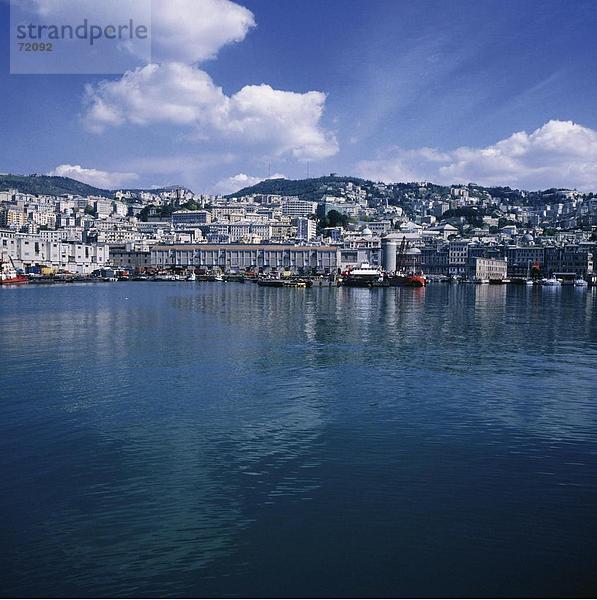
(150, 434)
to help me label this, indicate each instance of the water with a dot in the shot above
(180, 439)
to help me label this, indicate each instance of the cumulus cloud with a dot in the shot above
(188, 31)
(558, 154)
(173, 90)
(94, 177)
(175, 93)
(191, 31)
(172, 93)
(232, 184)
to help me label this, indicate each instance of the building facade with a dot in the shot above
(237, 257)
(33, 250)
(487, 269)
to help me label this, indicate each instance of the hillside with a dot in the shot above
(51, 185)
(306, 189)
(160, 190)
(56, 186)
(395, 193)
(313, 189)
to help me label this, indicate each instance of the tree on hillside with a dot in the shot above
(332, 219)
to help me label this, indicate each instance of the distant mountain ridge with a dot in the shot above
(50, 184)
(306, 189)
(314, 188)
(54, 185)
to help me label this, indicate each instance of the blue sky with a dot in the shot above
(492, 92)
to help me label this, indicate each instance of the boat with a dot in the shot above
(580, 283)
(234, 277)
(191, 276)
(213, 275)
(551, 282)
(9, 274)
(270, 282)
(407, 280)
(408, 273)
(363, 276)
(284, 283)
(164, 277)
(298, 283)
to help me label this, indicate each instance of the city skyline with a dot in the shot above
(491, 93)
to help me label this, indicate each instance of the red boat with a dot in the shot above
(408, 272)
(401, 279)
(9, 275)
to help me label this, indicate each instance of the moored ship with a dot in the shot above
(363, 276)
(9, 274)
(405, 269)
(407, 280)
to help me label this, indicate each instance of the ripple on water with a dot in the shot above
(236, 440)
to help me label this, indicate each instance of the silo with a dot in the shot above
(389, 248)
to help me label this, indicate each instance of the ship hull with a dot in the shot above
(364, 284)
(407, 281)
(18, 280)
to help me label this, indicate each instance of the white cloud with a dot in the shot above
(288, 121)
(174, 91)
(178, 94)
(229, 185)
(190, 31)
(558, 154)
(94, 177)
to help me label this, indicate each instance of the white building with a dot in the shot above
(487, 269)
(294, 207)
(30, 250)
(306, 229)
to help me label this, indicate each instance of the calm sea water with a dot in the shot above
(177, 439)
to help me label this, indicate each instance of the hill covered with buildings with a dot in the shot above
(324, 224)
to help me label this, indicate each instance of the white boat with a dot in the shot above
(218, 277)
(580, 283)
(164, 277)
(551, 282)
(363, 276)
(191, 276)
